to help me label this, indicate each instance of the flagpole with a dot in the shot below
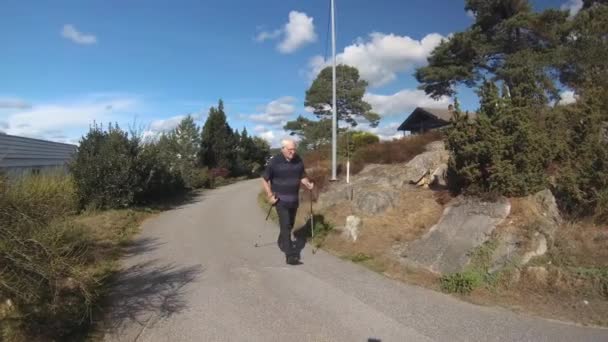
(334, 116)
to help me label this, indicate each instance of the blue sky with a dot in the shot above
(146, 64)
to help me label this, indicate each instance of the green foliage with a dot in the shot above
(186, 138)
(313, 134)
(113, 170)
(349, 96)
(475, 274)
(500, 152)
(350, 142)
(361, 139)
(160, 172)
(201, 178)
(41, 198)
(41, 254)
(360, 257)
(507, 43)
(461, 283)
(581, 186)
(519, 141)
(105, 168)
(217, 140)
(223, 148)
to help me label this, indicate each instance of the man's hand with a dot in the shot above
(272, 199)
(308, 184)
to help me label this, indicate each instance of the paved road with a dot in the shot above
(195, 275)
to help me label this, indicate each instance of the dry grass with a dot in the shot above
(415, 212)
(577, 263)
(392, 152)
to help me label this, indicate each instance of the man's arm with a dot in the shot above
(269, 195)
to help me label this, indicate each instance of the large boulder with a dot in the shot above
(521, 246)
(373, 200)
(425, 164)
(376, 188)
(465, 225)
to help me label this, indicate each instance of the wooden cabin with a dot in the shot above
(424, 119)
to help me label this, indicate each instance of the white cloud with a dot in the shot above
(71, 33)
(297, 32)
(273, 137)
(13, 103)
(402, 102)
(387, 131)
(54, 119)
(276, 112)
(573, 6)
(158, 127)
(567, 97)
(266, 35)
(471, 15)
(259, 128)
(167, 124)
(382, 56)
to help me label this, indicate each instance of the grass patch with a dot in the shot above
(359, 257)
(475, 274)
(55, 265)
(461, 282)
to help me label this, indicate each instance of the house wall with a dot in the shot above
(19, 155)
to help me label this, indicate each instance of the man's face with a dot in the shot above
(289, 151)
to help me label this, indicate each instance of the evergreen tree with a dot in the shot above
(217, 140)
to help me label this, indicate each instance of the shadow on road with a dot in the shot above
(140, 246)
(148, 291)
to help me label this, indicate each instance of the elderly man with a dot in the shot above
(281, 181)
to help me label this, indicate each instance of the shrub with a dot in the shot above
(105, 168)
(581, 186)
(40, 256)
(158, 172)
(41, 198)
(501, 152)
(201, 178)
(220, 172)
(462, 283)
(113, 170)
(395, 151)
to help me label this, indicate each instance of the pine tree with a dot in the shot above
(217, 140)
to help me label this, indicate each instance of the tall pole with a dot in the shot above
(333, 107)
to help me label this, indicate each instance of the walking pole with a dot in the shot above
(270, 209)
(312, 225)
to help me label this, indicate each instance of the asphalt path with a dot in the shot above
(195, 274)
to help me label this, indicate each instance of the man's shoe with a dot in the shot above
(293, 260)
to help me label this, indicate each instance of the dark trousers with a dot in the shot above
(287, 217)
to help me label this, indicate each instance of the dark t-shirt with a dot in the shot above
(285, 177)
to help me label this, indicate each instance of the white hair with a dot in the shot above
(286, 141)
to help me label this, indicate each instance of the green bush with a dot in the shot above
(113, 170)
(105, 168)
(201, 178)
(352, 141)
(581, 186)
(500, 152)
(462, 283)
(361, 139)
(160, 175)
